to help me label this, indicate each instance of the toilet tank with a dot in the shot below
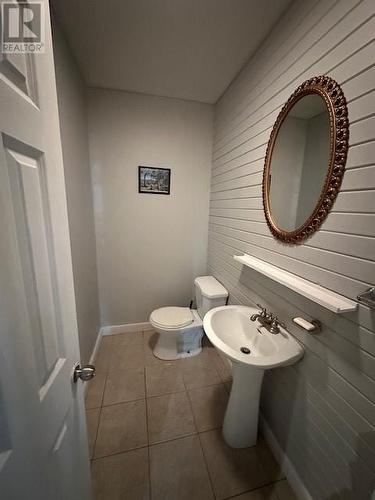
(209, 293)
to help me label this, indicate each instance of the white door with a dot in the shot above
(43, 444)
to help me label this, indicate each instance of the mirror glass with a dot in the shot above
(300, 162)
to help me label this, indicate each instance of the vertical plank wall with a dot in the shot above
(321, 411)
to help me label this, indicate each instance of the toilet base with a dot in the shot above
(161, 354)
(181, 344)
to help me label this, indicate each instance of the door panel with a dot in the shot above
(17, 69)
(31, 221)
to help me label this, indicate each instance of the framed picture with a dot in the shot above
(154, 180)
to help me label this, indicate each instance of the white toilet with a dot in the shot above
(180, 329)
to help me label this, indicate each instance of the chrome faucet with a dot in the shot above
(268, 320)
(275, 325)
(263, 317)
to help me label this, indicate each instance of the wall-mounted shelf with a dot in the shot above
(326, 298)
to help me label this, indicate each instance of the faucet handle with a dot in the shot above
(275, 324)
(263, 310)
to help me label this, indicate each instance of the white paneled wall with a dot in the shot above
(322, 410)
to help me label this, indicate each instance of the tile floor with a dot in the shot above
(154, 429)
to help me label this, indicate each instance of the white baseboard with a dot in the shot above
(286, 465)
(96, 347)
(126, 328)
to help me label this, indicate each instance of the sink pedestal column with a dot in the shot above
(240, 426)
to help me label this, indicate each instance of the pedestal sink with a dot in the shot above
(252, 349)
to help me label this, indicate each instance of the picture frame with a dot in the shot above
(154, 180)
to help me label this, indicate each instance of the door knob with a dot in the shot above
(85, 373)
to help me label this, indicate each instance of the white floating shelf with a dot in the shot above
(326, 298)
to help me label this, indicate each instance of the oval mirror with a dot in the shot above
(305, 159)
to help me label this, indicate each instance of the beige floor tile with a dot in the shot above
(92, 421)
(149, 344)
(147, 334)
(224, 369)
(222, 365)
(104, 353)
(121, 427)
(232, 471)
(95, 390)
(127, 357)
(209, 405)
(269, 462)
(178, 471)
(169, 417)
(199, 371)
(163, 379)
(123, 476)
(266, 493)
(124, 385)
(124, 339)
(206, 342)
(284, 491)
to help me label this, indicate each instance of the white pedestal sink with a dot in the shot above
(230, 329)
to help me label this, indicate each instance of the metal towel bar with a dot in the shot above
(368, 297)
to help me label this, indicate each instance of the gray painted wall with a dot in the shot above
(150, 247)
(314, 171)
(321, 411)
(71, 95)
(286, 172)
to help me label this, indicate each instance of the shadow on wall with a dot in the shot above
(361, 484)
(362, 488)
(298, 408)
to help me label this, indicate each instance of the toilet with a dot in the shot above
(180, 329)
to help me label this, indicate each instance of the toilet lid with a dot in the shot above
(172, 317)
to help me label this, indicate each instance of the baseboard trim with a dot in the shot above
(126, 328)
(96, 347)
(286, 465)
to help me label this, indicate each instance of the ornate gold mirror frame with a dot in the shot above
(335, 101)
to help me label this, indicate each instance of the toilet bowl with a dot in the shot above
(180, 329)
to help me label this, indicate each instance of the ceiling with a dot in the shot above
(190, 49)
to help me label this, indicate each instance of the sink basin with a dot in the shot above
(229, 328)
(252, 349)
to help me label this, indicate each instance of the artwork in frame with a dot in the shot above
(154, 180)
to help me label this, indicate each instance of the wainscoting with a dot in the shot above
(320, 411)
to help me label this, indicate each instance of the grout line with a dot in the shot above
(166, 394)
(176, 438)
(91, 455)
(207, 468)
(96, 435)
(200, 443)
(92, 408)
(106, 369)
(120, 452)
(123, 402)
(148, 438)
(205, 387)
(258, 488)
(192, 411)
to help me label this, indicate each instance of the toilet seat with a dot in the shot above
(172, 317)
